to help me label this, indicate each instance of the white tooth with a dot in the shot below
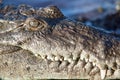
(48, 57)
(43, 56)
(65, 58)
(111, 63)
(103, 73)
(94, 64)
(88, 67)
(80, 65)
(56, 58)
(81, 57)
(51, 57)
(102, 65)
(61, 59)
(84, 55)
(94, 71)
(92, 58)
(70, 60)
(63, 65)
(75, 56)
(109, 72)
(86, 59)
(36, 55)
(71, 65)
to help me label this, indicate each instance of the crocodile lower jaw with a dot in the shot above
(23, 65)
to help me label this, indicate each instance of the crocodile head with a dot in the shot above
(65, 40)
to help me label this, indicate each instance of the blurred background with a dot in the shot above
(68, 7)
(102, 14)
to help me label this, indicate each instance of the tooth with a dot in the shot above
(80, 65)
(84, 55)
(48, 57)
(88, 67)
(70, 60)
(76, 54)
(51, 57)
(102, 65)
(94, 71)
(36, 55)
(56, 58)
(86, 60)
(93, 59)
(71, 65)
(109, 72)
(43, 56)
(65, 58)
(112, 63)
(94, 64)
(103, 74)
(63, 65)
(81, 57)
(54, 65)
(61, 58)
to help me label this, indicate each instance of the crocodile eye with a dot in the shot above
(34, 24)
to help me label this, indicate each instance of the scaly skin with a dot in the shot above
(66, 46)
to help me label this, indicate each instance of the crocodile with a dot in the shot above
(44, 44)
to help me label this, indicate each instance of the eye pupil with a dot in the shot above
(34, 23)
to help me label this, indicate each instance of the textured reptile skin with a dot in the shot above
(57, 47)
